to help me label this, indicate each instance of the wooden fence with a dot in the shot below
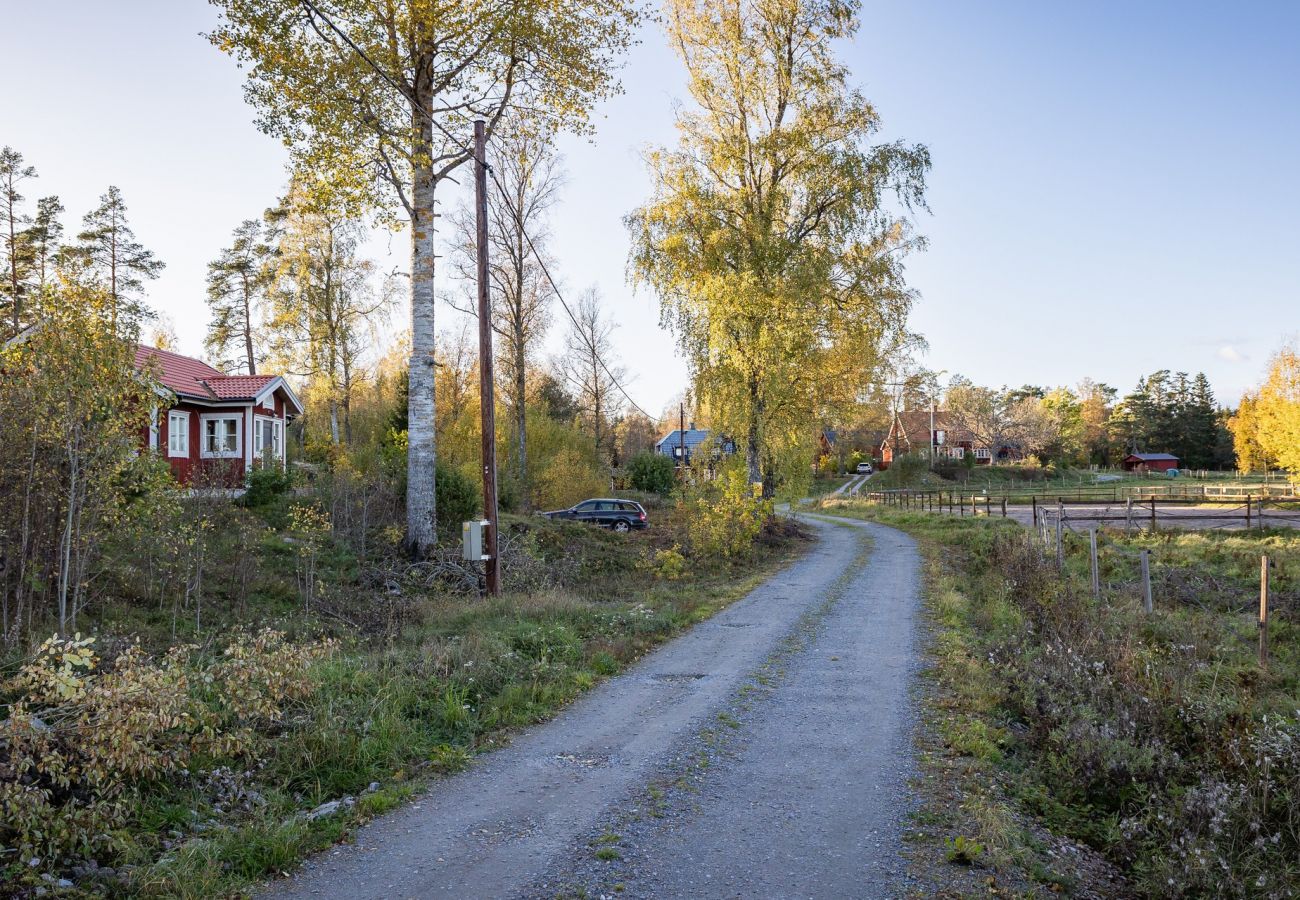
(1151, 512)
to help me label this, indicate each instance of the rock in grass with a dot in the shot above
(330, 808)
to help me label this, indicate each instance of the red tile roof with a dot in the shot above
(239, 387)
(191, 377)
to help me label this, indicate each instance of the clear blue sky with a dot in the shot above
(1116, 186)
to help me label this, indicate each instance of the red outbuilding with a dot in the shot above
(212, 427)
(1149, 462)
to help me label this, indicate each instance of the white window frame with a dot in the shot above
(983, 453)
(277, 437)
(957, 452)
(204, 419)
(178, 434)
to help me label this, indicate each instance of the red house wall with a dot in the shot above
(194, 468)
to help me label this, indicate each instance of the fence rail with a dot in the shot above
(1141, 513)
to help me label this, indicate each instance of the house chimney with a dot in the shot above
(692, 426)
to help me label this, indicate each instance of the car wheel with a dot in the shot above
(621, 526)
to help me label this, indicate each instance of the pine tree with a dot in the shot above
(237, 283)
(108, 252)
(41, 242)
(12, 220)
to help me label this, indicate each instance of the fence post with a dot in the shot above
(1128, 514)
(1033, 501)
(1147, 604)
(1263, 610)
(1153, 513)
(1004, 507)
(1060, 538)
(974, 510)
(1248, 512)
(1096, 570)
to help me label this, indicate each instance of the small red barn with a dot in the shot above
(1149, 462)
(212, 427)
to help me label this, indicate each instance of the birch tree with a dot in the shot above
(321, 301)
(375, 98)
(527, 185)
(237, 283)
(768, 236)
(589, 370)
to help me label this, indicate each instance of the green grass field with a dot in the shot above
(1158, 740)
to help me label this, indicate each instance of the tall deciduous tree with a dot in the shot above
(237, 283)
(1277, 409)
(528, 180)
(366, 92)
(109, 253)
(768, 237)
(12, 174)
(589, 370)
(321, 300)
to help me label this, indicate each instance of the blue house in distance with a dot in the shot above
(671, 444)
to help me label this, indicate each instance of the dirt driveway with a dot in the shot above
(765, 753)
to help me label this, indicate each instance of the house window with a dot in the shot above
(268, 438)
(178, 434)
(982, 453)
(957, 452)
(221, 436)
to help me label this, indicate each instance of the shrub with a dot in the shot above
(726, 516)
(457, 497)
(569, 477)
(651, 472)
(81, 742)
(265, 483)
(670, 565)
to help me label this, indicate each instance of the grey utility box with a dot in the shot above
(473, 536)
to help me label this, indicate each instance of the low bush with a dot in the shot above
(264, 483)
(650, 472)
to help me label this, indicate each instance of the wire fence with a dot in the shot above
(1050, 531)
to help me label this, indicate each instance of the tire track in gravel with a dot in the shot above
(798, 788)
(811, 784)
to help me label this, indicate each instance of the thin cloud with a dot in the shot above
(1229, 353)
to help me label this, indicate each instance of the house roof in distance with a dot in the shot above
(194, 379)
(1152, 457)
(694, 437)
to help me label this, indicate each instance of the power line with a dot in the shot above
(456, 142)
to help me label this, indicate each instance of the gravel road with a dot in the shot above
(765, 753)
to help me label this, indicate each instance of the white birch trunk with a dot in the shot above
(421, 453)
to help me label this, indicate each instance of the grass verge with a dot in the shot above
(1082, 746)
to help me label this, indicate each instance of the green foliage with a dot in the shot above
(670, 564)
(459, 499)
(264, 484)
(81, 742)
(1156, 739)
(726, 515)
(776, 248)
(963, 851)
(651, 472)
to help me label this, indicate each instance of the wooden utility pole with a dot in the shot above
(492, 565)
(681, 434)
(1263, 610)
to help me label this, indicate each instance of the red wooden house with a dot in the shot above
(213, 427)
(1149, 462)
(910, 432)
